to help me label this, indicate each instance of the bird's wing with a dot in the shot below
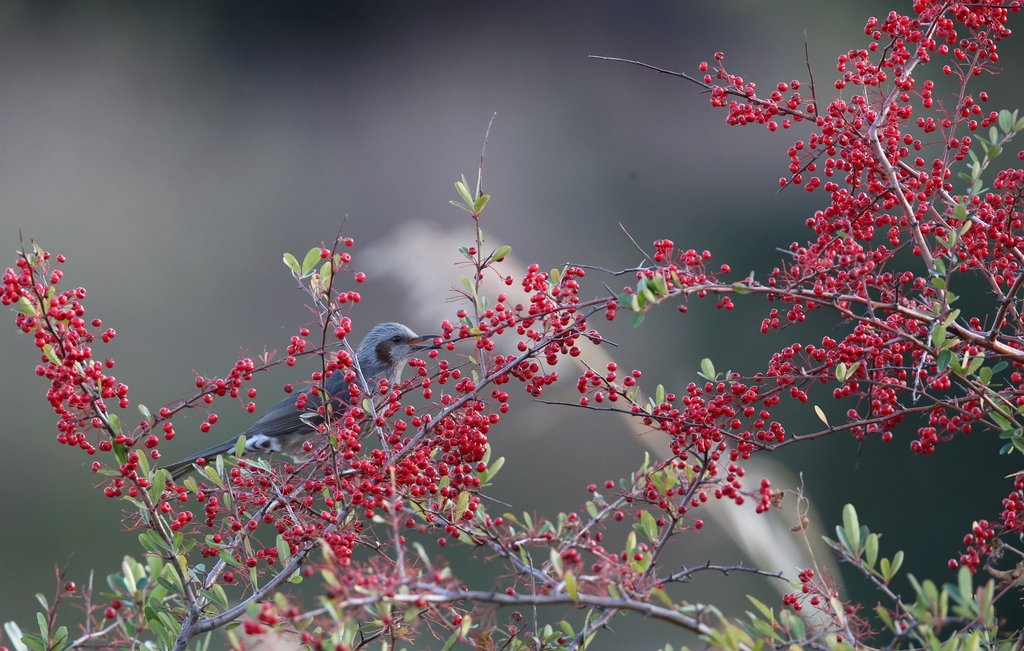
(281, 419)
(264, 436)
(271, 433)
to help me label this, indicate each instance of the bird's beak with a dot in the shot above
(425, 342)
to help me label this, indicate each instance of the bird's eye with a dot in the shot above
(397, 339)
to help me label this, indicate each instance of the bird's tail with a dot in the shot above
(181, 468)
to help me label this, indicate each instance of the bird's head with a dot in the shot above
(387, 347)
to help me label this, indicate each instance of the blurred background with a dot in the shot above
(173, 152)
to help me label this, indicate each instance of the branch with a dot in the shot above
(436, 595)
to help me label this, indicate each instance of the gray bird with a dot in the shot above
(382, 354)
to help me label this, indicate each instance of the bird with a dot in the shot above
(382, 355)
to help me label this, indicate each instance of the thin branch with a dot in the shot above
(997, 324)
(638, 247)
(810, 73)
(724, 569)
(437, 595)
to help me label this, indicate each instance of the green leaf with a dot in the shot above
(959, 211)
(821, 415)
(964, 584)
(740, 288)
(462, 505)
(501, 253)
(938, 335)
(309, 262)
(1005, 121)
(168, 622)
(145, 541)
(985, 375)
(1014, 435)
(492, 470)
(44, 628)
(216, 596)
(14, 634)
(660, 286)
(636, 320)
(993, 151)
(422, 553)
(468, 285)
(659, 394)
(136, 502)
(658, 479)
(459, 204)
(212, 474)
(157, 541)
(292, 264)
(480, 202)
(886, 618)
(26, 306)
(707, 369)
(326, 274)
(761, 629)
(897, 562)
(460, 186)
(976, 361)
(451, 641)
(33, 642)
(647, 526)
(60, 638)
(841, 372)
(1000, 420)
(765, 610)
(797, 627)
(284, 552)
(852, 527)
(570, 586)
(527, 520)
(159, 483)
(240, 445)
(871, 550)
